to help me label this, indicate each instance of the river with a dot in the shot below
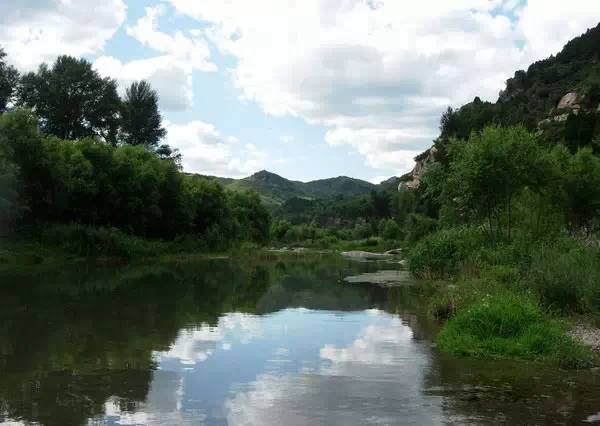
(253, 342)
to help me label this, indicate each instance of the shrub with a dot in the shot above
(567, 277)
(87, 241)
(510, 325)
(361, 231)
(441, 253)
(419, 226)
(389, 229)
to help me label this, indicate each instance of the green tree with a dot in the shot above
(252, 215)
(582, 188)
(487, 172)
(9, 78)
(8, 190)
(141, 122)
(389, 229)
(22, 143)
(72, 100)
(279, 228)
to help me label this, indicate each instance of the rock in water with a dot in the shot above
(383, 278)
(366, 255)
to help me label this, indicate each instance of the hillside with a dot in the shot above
(558, 98)
(276, 190)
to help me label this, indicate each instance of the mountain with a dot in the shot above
(557, 98)
(276, 190)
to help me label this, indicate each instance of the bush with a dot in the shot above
(361, 231)
(419, 226)
(441, 253)
(86, 241)
(389, 229)
(567, 277)
(510, 325)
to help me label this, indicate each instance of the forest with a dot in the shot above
(83, 168)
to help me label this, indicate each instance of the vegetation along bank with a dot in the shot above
(500, 218)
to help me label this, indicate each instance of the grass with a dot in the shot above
(441, 254)
(496, 298)
(510, 325)
(567, 277)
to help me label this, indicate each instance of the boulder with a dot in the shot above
(569, 101)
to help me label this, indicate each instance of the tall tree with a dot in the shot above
(72, 100)
(491, 169)
(141, 122)
(9, 78)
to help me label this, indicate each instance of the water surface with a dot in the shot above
(253, 342)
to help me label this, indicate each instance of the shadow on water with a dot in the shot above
(251, 342)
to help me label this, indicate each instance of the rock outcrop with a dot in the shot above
(422, 162)
(569, 102)
(572, 103)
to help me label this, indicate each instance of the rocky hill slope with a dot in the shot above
(558, 98)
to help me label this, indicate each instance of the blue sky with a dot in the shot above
(309, 89)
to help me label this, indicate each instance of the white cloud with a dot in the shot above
(193, 51)
(196, 345)
(381, 73)
(547, 25)
(383, 360)
(171, 79)
(171, 73)
(206, 151)
(287, 139)
(372, 347)
(378, 179)
(35, 31)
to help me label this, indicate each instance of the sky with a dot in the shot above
(308, 89)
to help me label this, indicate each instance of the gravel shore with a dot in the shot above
(589, 336)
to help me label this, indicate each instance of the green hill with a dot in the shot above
(276, 190)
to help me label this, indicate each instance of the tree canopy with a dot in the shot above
(72, 100)
(141, 122)
(9, 78)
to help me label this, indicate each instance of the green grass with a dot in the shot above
(510, 325)
(442, 254)
(567, 277)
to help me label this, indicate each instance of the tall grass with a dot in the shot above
(442, 253)
(567, 277)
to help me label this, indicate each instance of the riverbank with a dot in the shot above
(124, 249)
(512, 299)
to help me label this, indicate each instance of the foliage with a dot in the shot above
(389, 229)
(566, 275)
(510, 325)
(487, 173)
(65, 182)
(251, 216)
(9, 78)
(419, 226)
(87, 241)
(442, 253)
(582, 188)
(9, 207)
(141, 123)
(72, 100)
(530, 95)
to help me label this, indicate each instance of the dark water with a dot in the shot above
(252, 343)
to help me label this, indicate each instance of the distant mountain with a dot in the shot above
(276, 190)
